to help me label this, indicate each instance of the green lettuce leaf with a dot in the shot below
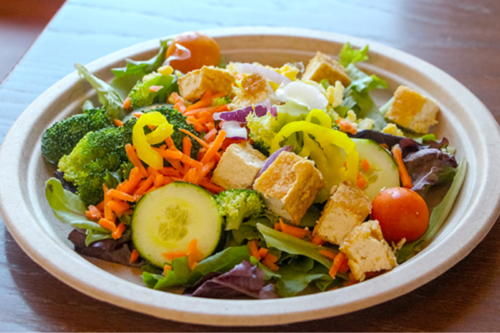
(68, 207)
(181, 275)
(94, 236)
(108, 96)
(293, 281)
(349, 55)
(143, 67)
(438, 216)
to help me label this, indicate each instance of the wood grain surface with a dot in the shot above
(460, 37)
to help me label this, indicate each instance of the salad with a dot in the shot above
(242, 180)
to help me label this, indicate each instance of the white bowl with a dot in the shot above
(464, 121)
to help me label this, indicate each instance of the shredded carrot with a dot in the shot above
(346, 126)
(193, 253)
(170, 143)
(210, 136)
(205, 100)
(118, 207)
(137, 114)
(200, 141)
(169, 154)
(403, 173)
(263, 252)
(186, 146)
(132, 155)
(254, 249)
(190, 177)
(365, 165)
(189, 161)
(145, 186)
(193, 121)
(127, 103)
(134, 179)
(173, 254)
(167, 180)
(107, 224)
(128, 212)
(337, 262)
(169, 171)
(166, 269)
(269, 261)
(293, 231)
(158, 181)
(94, 212)
(179, 104)
(214, 147)
(361, 182)
(108, 213)
(210, 125)
(277, 226)
(328, 254)
(344, 267)
(119, 231)
(100, 206)
(205, 170)
(203, 119)
(118, 195)
(118, 123)
(155, 88)
(89, 214)
(384, 145)
(210, 186)
(317, 240)
(134, 256)
(177, 166)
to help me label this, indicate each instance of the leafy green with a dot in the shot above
(94, 236)
(68, 207)
(293, 281)
(248, 230)
(143, 67)
(181, 275)
(108, 96)
(293, 245)
(349, 55)
(438, 216)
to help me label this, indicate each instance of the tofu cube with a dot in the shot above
(289, 186)
(324, 67)
(347, 208)
(195, 83)
(254, 89)
(367, 250)
(238, 166)
(412, 110)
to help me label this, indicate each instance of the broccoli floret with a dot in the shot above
(262, 130)
(125, 169)
(86, 166)
(140, 97)
(237, 205)
(175, 118)
(60, 139)
(261, 146)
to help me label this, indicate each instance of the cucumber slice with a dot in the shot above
(168, 218)
(383, 171)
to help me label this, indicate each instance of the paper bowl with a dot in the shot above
(464, 120)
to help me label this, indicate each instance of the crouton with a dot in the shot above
(238, 166)
(195, 83)
(367, 250)
(347, 208)
(289, 186)
(254, 89)
(324, 67)
(412, 110)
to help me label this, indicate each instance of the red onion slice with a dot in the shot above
(234, 130)
(240, 115)
(266, 73)
(273, 157)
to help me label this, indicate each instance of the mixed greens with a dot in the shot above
(248, 181)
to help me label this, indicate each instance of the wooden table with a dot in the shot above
(461, 37)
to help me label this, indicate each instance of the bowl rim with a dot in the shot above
(67, 266)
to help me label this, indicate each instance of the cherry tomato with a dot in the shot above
(204, 51)
(402, 213)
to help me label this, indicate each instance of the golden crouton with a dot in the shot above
(195, 83)
(289, 186)
(324, 67)
(412, 110)
(254, 89)
(238, 166)
(347, 207)
(367, 250)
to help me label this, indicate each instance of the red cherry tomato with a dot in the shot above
(402, 213)
(203, 50)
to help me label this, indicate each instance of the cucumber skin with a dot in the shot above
(221, 237)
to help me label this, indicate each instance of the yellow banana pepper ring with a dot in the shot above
(325, 137)
(143, 142)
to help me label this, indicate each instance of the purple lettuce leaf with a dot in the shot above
(65, 184)
(243, 281)
(117, 251)
(427, 165)
(378, 137)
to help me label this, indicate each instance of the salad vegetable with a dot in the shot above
(250, 181)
